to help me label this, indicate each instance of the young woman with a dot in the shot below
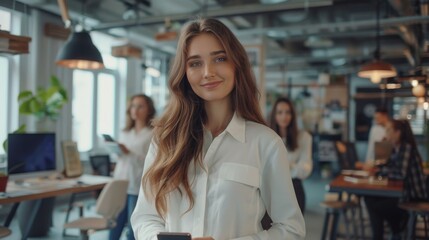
(214, 168)
(298, 144)
(134, 143)
(405, 163)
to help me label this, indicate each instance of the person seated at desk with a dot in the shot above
(405, 163)
(377, 133)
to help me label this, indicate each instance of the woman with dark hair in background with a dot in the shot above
(214, 168)
(297, 142)
(405, 163)
(134, 142)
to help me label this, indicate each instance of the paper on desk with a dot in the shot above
(366, 180)
(361, 173)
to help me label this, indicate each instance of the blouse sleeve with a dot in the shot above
(145, 220)
(279, 197)
(304, 165)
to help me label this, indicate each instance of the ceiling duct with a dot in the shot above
(222, 12)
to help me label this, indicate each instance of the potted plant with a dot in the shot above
(45, 103)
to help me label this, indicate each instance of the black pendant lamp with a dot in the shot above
(79, 52)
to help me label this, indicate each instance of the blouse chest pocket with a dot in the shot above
(240, 173)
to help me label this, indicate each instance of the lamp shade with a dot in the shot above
(79, 52)
(419, 90)
(376, 70)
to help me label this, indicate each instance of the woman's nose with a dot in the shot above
(208, 71)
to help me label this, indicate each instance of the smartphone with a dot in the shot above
(107, 138)
(174, 236)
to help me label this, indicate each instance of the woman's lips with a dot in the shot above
(211, 85)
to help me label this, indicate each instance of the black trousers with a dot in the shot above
(300, 196)
(382, 209)
(299, 192)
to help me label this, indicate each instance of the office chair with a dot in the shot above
(100, 165)
(109, 204)
(347, 157)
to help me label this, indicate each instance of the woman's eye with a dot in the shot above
(221, 59)
(195, 64)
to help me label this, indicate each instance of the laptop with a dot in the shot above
(382, 151)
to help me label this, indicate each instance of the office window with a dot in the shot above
(106, 104)
(83, 109)
(155, 84)
(5, 18)
(4, 86)
(94, 107)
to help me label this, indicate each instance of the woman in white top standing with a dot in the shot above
(214, 168)
(134, 142)
(298, 144)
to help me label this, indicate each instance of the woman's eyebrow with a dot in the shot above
(214, 53)
(217, 52)
(193, 57)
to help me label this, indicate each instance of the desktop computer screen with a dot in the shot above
(30, 155)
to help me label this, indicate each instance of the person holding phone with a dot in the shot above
(214, 168)
(134, 142)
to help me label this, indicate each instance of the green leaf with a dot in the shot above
(24, 94)
(55, 81)
(35, 106)
(5, 145)
(21, 129)
(63, 93)
(24, 108)
(48, 93)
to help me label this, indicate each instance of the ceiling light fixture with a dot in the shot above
(151, 71)
(79, 51)
(377, 69)
(390, 83)
(419, 90)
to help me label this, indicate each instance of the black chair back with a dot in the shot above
(347, 155)
(100, 164)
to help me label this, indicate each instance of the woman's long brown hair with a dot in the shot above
(179, 131)
(291, 129)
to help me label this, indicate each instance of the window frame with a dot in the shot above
(116, 76)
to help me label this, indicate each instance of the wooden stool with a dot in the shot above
(416, 209)
(4, 232)
(333, 210)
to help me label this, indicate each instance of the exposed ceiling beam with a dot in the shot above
(221, 12)
(333, 26)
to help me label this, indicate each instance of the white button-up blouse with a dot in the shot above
(245, 175)
(130, 166)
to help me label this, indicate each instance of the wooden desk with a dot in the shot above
(17, 193)
(339, 185)
(392, 189)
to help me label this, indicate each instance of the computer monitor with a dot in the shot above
(30, 155)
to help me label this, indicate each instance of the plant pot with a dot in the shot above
(3, 183)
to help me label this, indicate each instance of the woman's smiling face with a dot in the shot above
(209, 71)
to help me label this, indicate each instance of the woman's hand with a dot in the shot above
(124, 149)
(203, 238)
